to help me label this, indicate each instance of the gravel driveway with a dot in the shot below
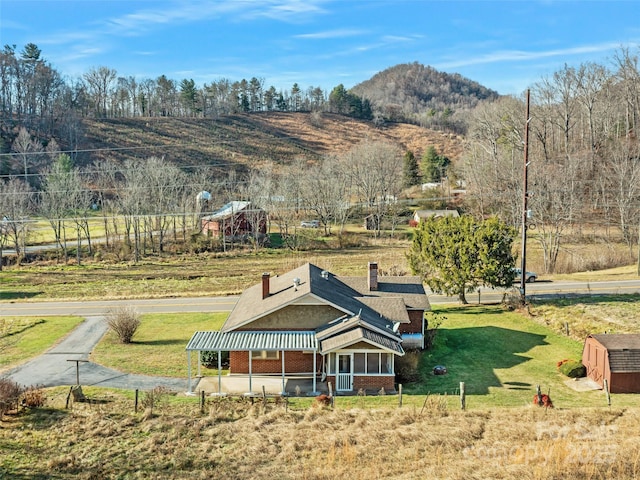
(57, 366)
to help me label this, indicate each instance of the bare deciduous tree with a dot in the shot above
(376, 175)
(27, 150)
(623, 175)
(327, 191)
(16, 204)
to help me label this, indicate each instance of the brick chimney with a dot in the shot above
(372, 279)
(265, 285)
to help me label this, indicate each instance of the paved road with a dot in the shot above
(546, 289)
(58, 367)
(100, 307)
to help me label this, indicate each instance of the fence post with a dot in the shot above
(201, 401)
(606, 390)
(330, 393)
(68, 398)
(400, 395)
(463, 396)
(135, 408)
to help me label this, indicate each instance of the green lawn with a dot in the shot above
(158, 346)
(501, 357)
(22, 338)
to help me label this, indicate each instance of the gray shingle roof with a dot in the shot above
(623, 350)
(618, 341)
(409, 288)
(358, 334)
(379, 307)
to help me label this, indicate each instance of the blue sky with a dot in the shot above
(504, 45)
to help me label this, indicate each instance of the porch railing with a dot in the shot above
(343, 382)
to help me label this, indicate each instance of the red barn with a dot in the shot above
(236, 220)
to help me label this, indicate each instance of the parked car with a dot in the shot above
(310, 223)
(529, 277)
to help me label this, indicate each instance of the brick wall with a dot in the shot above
(415, 316)
(295, 362)
(369, 383)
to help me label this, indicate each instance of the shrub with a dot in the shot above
(200, 243)
(210, 359)
(10, 393)
(124, 321)
(33, 397)
(572, 368)
(407, 367)
(155, 398)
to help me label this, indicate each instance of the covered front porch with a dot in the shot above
(262, 342)
(239, 384)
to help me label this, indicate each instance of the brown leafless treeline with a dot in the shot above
(584, 171)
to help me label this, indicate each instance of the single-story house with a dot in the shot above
(235, 220)
(420, 215)
(310, 322)
(614, 358)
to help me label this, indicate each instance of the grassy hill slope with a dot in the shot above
(242, 141)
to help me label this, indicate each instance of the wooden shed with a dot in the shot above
(616, 358)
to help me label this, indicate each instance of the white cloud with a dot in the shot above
(342, 33)
(521, 55)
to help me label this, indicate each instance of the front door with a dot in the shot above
(344, 379)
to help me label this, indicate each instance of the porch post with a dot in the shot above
(315, 369)
(250, 389)
(219, 372)
(189, 371)
(283, 381)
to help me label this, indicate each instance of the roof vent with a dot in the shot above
(324, 274)
(296, 283)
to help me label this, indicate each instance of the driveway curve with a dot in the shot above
(69, 360)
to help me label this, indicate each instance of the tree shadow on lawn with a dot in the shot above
(18, 295)
(472, 355)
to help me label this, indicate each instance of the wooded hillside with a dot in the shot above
(422, 94)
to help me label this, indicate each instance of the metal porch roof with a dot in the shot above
(254, 340)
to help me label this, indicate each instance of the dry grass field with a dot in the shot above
(188, 275)
(233, 439)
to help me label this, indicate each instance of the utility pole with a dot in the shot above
(525, 198)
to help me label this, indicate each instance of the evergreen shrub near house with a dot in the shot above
(572, 368)
(210, 359)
